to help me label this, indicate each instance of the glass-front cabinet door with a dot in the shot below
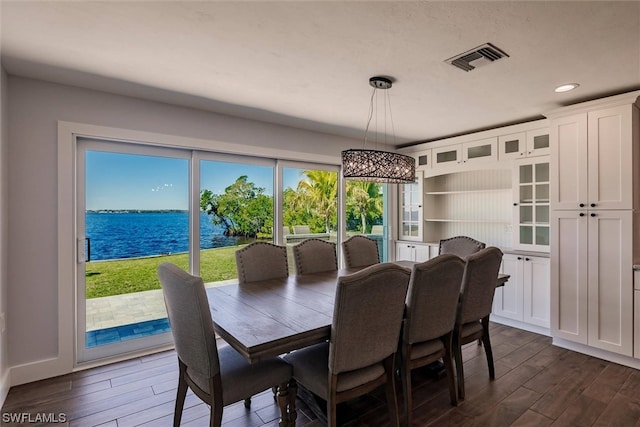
(531, 204)
(411, 210)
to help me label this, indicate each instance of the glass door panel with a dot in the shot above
(133, 216)
(366, 213)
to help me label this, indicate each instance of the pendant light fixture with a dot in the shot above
(374, 165)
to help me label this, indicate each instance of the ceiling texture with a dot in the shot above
(307, 63)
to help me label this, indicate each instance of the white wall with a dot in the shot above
(4, 370)
(34, 110)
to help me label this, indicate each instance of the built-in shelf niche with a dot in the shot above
(474, 203)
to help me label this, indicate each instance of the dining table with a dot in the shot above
(268, 318)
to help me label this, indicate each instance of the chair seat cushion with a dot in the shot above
(311, 369)
(426, 348)
(471, 329)
(241, 379)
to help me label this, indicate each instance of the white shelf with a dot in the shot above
(485, 221)
(446, 193)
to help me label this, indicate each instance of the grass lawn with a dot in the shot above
(104, 278)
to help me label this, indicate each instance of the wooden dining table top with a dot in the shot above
(267, 318)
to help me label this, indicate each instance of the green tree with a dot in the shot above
(364, 201)
(318, 195)
(243, 209)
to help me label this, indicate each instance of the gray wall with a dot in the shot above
(3, 230)
(34, 108)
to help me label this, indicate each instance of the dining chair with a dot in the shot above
(261, 261)
(462, 246)
(360, 251)
(359, 356)
(218, 376)
(474, 308)
(427, 334)
(315, 256)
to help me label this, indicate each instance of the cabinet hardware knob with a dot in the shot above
(593, 215)
(593, 205)
(519, 258)
(581, 213)
(527, 259)
(582, 205)
(515, 204)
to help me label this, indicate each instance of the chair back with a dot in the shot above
(479, 285)
(360, 251)
(432, 298)
(261, 261)
(367, 317)
(301, 229)
(314, 256)
(462, 246)
(190, 319)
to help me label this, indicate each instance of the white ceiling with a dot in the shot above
(307, 64)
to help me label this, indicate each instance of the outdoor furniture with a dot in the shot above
(218, 376)
(377, 230)
(301, 229)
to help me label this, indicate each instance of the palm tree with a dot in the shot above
(364, 199)
(318, 194)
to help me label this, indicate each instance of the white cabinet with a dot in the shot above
(592, 286)
(466, 153)
(524, 144)
(531, 204)
(415, 252)
(592, 161)
(423, 160)
(410, 203)
(595, 172)
(525, 297)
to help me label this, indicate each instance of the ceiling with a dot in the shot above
(307, 63)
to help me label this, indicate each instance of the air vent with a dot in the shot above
(477, 57)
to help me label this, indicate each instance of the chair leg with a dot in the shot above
(459, 369)
(247, 403)
(448, 366)
(390, 389)
(181, 395)
(487, 347)
(283, 403)
(405, 375)
(293, 393)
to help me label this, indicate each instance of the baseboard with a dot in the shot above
(4, 386)
(596, 352)
(39, 370)
(521, 325)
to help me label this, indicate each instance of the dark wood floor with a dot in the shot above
(536, 385)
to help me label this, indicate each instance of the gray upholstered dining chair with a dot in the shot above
(462, 246)
(359, 356)
(314, 256)
(360, 251)
(476, 300)
(218, 376)
(432, 300)
(261, 261)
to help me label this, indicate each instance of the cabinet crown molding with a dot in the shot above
(610, 101)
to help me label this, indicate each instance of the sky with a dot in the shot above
(130, 181)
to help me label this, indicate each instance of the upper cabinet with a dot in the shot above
(524, 144)
(423, 160)
(531, 204)
(467, 153)
(592, 163)
(410, 201)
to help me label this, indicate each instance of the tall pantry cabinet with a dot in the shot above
(595, 223)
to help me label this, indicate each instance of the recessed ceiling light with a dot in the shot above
(566, 87)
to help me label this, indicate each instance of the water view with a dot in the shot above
(130, 234)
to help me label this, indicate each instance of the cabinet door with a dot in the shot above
(569, 287)
(446, 156)
(610, 278)
(421, 253)
(410, 204)
(536, 292)
(507, 301)
(569, 162)
(538, 142)
(610, 158)
(511, 146)
(480, 151)
(423, 160)
(531, 204)
(404, 252)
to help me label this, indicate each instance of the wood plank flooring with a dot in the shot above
(536, 384)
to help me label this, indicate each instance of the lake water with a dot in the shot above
(117, 235)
